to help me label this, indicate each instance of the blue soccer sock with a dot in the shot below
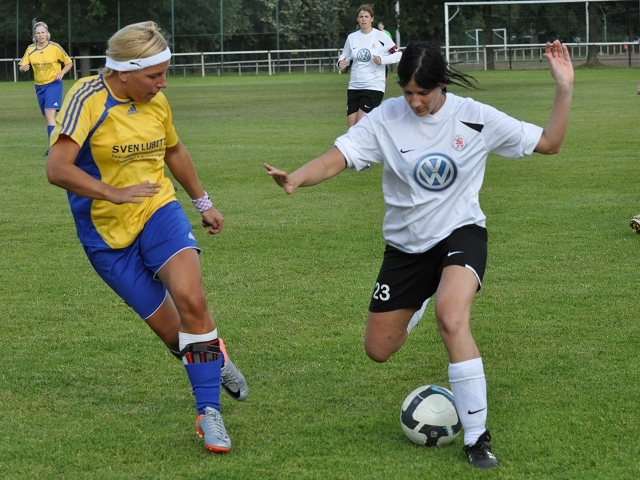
(49, 130)
(205, 381)
(203, 362)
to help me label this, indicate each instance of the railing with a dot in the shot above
(531, 55)
(255, 62)
(271, 62)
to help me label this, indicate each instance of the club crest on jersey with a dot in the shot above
(435, 172)
(459, 143)
(364, 55)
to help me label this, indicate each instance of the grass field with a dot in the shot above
(87, 391)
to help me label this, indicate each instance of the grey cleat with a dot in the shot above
(211, 427)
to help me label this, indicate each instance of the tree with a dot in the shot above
(592, 50)
(488, 36)
(418, 19)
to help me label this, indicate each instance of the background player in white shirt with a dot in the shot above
(368, 51)
(433, 147)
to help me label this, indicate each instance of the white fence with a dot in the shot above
(522, 56)
(254, 62)
(270, 62)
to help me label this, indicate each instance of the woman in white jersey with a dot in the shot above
(635, 223)
(433, 146)
(367, 50)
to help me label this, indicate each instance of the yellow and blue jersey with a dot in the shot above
(122, 143)
(45, 62)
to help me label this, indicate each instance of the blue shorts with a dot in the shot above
(50, 95)
(131, 271)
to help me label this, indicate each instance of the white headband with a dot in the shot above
(138, 63)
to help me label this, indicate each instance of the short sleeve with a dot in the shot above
(172, 135)
(75, 123)
(25, 58)
(360, 145)
(507, 136)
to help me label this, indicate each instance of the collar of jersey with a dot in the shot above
(441, 114)
(113, 95)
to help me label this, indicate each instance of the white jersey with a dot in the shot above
(433, 166)
(360, 49)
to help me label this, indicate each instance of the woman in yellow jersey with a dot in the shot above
(50, 63)
(113, 137)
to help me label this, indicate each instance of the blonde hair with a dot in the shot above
(35, 27)
(138, 40)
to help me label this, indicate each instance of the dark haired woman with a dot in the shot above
(433, 146)
(368, 51)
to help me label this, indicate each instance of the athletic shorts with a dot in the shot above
(365, 100)
(406, 280)
(131, 271)
(50, 95)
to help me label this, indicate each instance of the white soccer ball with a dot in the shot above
(429, 416)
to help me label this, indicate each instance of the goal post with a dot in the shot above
(527, 24)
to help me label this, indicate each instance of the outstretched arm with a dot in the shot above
(316, 171)
(562, 71)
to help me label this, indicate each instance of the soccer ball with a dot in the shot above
(429, 416)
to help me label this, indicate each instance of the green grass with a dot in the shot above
(87, 391)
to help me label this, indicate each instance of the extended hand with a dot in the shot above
(281, 178)
(559, 62)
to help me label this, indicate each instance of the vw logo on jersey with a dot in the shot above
(364, 55)
(435, 172)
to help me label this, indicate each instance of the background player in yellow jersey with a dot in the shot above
(113, 137)
(50, 63)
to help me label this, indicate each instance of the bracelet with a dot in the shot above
(202, 204)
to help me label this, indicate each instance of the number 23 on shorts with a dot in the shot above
(381, 292)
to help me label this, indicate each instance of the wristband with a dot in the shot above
(202, 204)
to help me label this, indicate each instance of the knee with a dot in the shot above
(190, 302)
(451, 324)
(449, 329)
(377, 353)
(50, 116)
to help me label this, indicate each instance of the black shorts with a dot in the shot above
(365, 100)
(406, 280)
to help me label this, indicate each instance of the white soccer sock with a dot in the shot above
(417, 316)
(185, 339)
(469, 389)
